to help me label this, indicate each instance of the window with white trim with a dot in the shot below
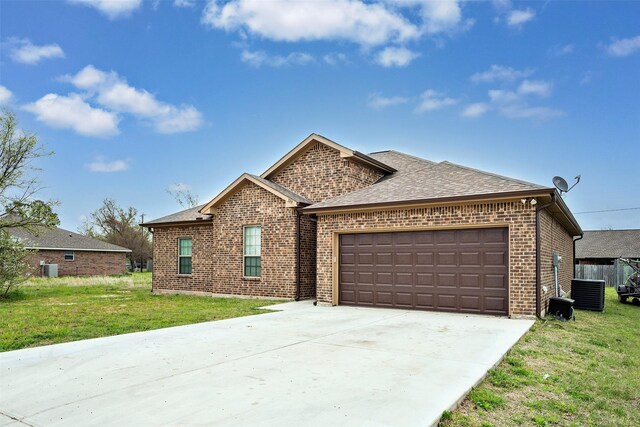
(252, 250)
(69, 256)
(184, 255)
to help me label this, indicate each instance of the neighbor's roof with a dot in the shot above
(609, 244)
(187, 215)
(60, 239)
(419, 180)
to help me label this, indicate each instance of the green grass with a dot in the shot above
(582, 373)
(50, 311)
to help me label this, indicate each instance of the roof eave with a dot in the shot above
(430, 201)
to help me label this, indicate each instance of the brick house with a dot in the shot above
(385, 229)
(75, 254)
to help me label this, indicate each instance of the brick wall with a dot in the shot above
(554, 238)
(86, 263)
(252, 205)
(165, 258)
(307, 257)
(520, 219)
(320, 173)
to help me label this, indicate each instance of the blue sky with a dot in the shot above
(135, 97)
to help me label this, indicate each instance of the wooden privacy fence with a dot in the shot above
(613, 275)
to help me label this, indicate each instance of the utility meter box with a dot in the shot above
(557, 259)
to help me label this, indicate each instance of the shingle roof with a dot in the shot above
(60, 239)
(609, 244)
(418, 179)
(191, 214)
(290, 194)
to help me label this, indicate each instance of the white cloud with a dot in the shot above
(517, 18)
(515, 106)
(25, 52)
(90, 78)
(335, 58)
(499, 73)
(260, 58)
(476, 109)
(535, 87)
(624, 47)
(113, 9)
(395, 57)
(101, 165)
(377, 101)
(114, 93)
(5, 95)
(367, 24)
(432, 100)
(562, 50)
(586, 78)
(184, 3)
(437, 15)
(72, 112)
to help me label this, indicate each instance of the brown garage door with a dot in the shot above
(445, 270)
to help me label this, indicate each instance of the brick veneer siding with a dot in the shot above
(307, 257)
(252, 205)
(554, 238)
(85, 263)
(165, 258)
(519, 218)
(320, 174)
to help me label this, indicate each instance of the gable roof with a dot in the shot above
(187, 215)
(609, 244)
(419, 180)
(61, 239)
(345, 153)
(290, 198)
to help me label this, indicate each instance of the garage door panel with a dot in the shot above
(425, 300)
(448, 270)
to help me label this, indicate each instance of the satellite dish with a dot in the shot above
(560, 184)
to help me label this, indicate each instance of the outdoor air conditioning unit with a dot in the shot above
(588, 294)
(50, 270)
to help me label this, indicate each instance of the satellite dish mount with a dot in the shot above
(562, 185)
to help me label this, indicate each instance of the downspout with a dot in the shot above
(574, 254)
(298, 251)
(538, 287)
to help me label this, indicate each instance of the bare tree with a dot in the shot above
(19, 182)
(119, 226)
(183, 195)
(19, 209)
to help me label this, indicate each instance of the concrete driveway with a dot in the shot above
(304, 365)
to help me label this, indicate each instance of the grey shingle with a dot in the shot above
(609, 244)
(419, 179)
(186, 215)
(60, 239)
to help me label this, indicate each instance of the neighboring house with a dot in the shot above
(605, 246)
(381, 230)
(75, 254)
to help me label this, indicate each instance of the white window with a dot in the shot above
(69, 256)
(252, 250)
(184, 255)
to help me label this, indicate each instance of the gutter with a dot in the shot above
(418, 202)
(538, 268)
(574, 254)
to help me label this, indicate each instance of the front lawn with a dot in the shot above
(582, 373)
(50, 311)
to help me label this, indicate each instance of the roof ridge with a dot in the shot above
(495, 175)
(404, 154)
